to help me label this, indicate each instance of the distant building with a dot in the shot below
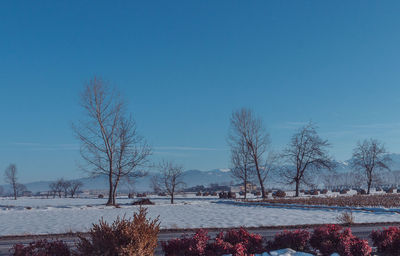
(26, 193)
(240, 187)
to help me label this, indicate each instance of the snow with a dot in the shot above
(282, 252)
(65, 215)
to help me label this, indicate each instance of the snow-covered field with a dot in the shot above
(65, 215)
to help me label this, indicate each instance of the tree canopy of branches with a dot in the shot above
(110, 144)
(10, 177)
(305, 156)
(170, 179)
(247, 137)
(370, 157)
(75, 185)
(57, 187)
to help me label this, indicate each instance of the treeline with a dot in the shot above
(64, 188)
(304, 158)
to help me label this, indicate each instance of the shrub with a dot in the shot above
(145, 201)
(314, 193)
(252, 243)
(279, 193)
(387, 240)
(346, 218)
(361, 192)
(343, 191)
(137, 237)
(360, 247)
(238, 242)
(257, 193)
(390, 190)
(332, 238)
(100, 196)
(297, 240)
(42, 248)
(187, 246)
(324, 191)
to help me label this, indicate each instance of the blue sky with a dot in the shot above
(183, 66)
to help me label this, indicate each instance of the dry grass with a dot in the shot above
(346, 218)
(387, 201)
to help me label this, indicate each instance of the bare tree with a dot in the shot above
(369, 158)
(248, 129)
(74, 187)
(20, 189)
(65, 185)
(1, 190)
(110, 144)
(10, 177)
(155, 184)
(305, 156)
(241, 164)
(57, 187)
(170, 179)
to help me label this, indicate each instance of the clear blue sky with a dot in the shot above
(183, 66)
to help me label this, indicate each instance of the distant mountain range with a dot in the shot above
(191, 178)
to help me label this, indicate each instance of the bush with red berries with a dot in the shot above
(42, 248)
(238, 242)
(387, 240)
(329, 239)
(297, 240)
(186, 245)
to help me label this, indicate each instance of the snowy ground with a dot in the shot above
(64, 215)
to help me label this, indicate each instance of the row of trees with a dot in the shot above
(111, 146)
(62, 187)
(306, 156)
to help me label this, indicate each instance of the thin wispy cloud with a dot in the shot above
(184, 148)
(376, 126)
(291, 125)
(34, 146)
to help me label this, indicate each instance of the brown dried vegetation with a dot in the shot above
(387, 201)
(137, 237)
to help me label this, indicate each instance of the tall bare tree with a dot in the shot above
(10, 177)
(110, 144)
(305, 156)
(170, 179)
(369, 158)
(241, 164)
(246, 128)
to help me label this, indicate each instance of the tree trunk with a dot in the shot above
(172, 194)
(114, 195)
(297, 188)
(245, 186)
(369, 186)
(260, 179)
(110, 191)
(15, 192)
